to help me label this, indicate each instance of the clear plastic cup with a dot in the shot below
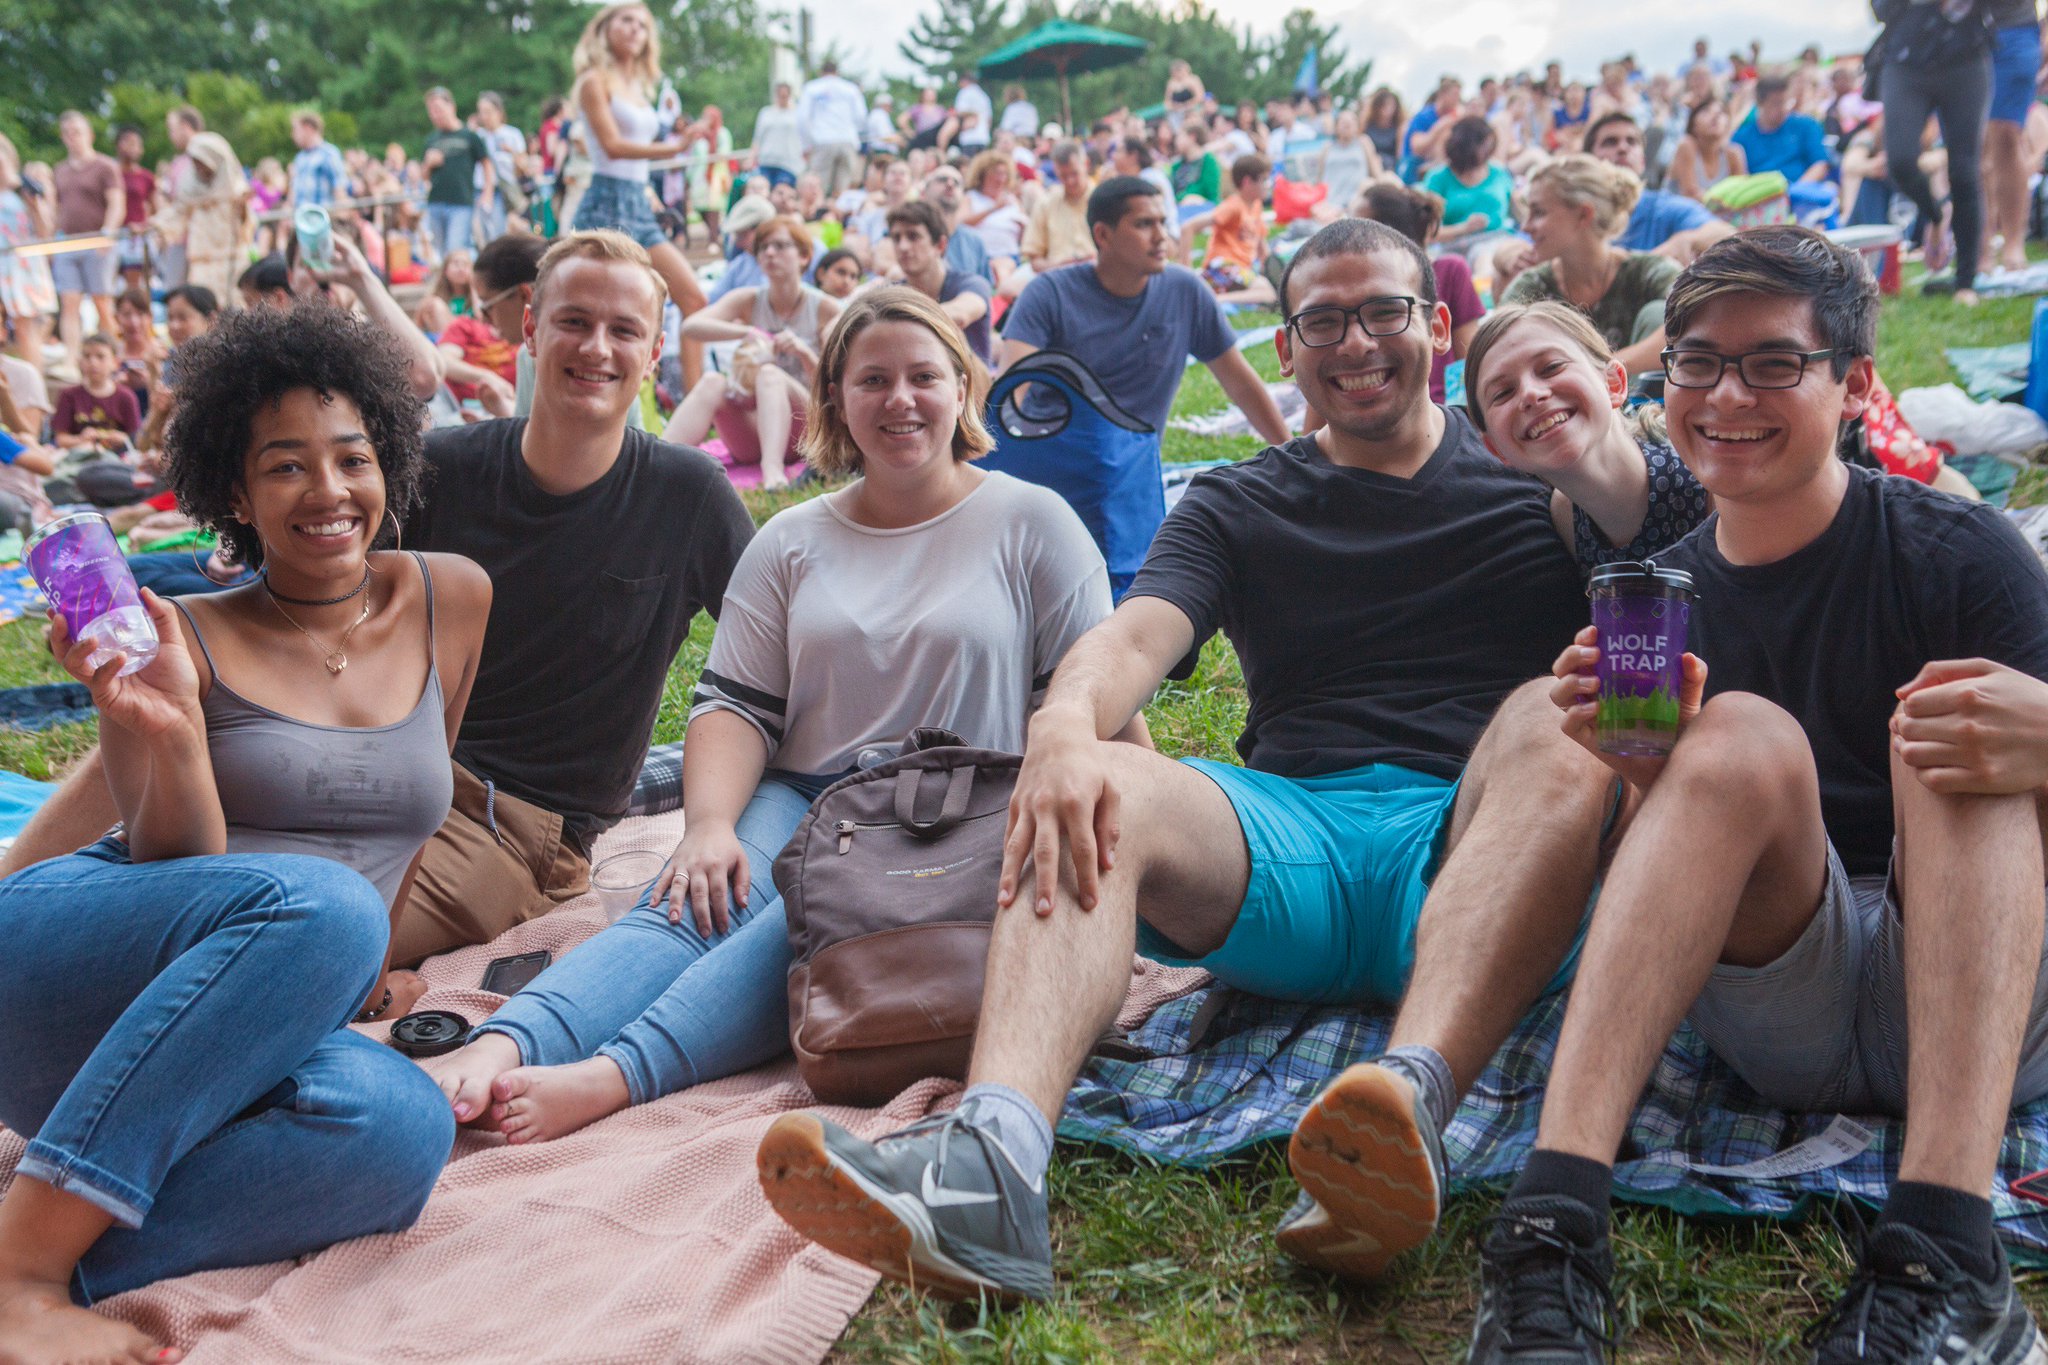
(1642, 613)
(621, 879)
(79, 566)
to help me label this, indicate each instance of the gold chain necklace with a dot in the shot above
(336, 659)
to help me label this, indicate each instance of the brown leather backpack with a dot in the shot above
(890, 888)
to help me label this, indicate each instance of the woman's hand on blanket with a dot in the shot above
(1064, 801)
(708, 860)
(1973, 726)
(151, 702)
(1577, 691)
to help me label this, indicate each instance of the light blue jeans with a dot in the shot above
(451, 226)
(171, 1036)
(669, 1006)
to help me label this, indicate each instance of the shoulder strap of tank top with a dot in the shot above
(427, 579)
(198, 638)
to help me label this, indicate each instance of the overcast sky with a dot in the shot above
(1413, 43)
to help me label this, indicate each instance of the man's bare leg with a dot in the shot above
(78, 812)
(2005, 192)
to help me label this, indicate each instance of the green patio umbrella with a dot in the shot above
(1060, 47)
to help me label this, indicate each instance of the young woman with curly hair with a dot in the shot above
(174, 997)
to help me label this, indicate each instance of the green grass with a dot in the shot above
(1158, 1264)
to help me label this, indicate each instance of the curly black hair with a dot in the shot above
(254, 358)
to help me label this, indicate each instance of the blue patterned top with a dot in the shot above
(1677, 504)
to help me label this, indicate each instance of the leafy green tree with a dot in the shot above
(950, 38)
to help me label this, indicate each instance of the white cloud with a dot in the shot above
(1412, 44)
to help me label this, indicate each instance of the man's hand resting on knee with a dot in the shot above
(1065, 800)
(1971, 726)
(1577, 693)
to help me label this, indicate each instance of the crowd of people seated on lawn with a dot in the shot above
(487, 553)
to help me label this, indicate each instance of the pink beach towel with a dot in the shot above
(644, 1237)
(744, 475)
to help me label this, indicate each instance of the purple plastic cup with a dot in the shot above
(78, 565)
(1642, 613)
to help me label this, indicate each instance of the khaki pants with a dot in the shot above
(494, 863)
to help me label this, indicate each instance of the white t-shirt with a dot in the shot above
(974, 99)
(25, 382)
(1002, 232)
(836, 637)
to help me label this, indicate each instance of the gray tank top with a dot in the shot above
(804, 324)
(367, 798)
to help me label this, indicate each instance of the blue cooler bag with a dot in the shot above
(1069, 435)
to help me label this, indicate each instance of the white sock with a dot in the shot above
(1016, 1123)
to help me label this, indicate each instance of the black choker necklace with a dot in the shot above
(318, 601)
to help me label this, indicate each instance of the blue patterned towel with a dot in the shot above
(1232, 1069)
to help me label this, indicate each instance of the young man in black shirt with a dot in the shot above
(1837, 874)
(602, 545)
(1388, 586)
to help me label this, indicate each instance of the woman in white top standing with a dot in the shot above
(926, 592)
(618, 69)
(761, 424)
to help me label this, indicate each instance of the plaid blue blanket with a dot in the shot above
(1231, 1070)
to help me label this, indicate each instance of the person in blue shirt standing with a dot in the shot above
(319, 176)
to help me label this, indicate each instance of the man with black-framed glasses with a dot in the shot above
(1836, 877)
(1409, 826)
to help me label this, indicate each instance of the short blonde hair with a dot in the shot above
(827, 445)
(790, 226)
(593, 49)
(597, 244)
(1579, 179)
(991, 160)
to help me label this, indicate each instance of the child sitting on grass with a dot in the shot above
(96, 411)
(1237, 236)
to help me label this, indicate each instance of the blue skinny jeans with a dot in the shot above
(669, 1006)
(172, 1041)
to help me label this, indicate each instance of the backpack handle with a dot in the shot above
(958, 788)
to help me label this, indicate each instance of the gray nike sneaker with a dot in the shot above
(940, 1205)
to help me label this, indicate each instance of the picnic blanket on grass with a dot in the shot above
(1232, 1070)
(645, 1237)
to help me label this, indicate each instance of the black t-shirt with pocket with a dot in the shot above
(592, 595)
(1377, 619)
(1902, 577)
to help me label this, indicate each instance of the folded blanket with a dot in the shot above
(644, 1237)
(1233, 1069)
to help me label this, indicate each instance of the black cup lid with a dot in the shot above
(429, 1033)
(1630, 574)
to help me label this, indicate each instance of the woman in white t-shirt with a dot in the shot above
(993, 211)
(926, 592)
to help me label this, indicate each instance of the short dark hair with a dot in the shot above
(1611, 116)
(1358, 237)
(1111, 200)
(267, 276)
(1785, 261)
(251, 361)
(920, 213)
(510, 261)
(1466, 145)
(1252, 167)
(1773, 84)
(832, 258)
(121, 130)
(101, 340)
(135, 297)
(198, 297)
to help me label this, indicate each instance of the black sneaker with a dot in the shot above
(1910, 1304)
(940, 1205)
(1543, 1296)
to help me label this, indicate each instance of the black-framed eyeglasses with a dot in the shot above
(1695, 369)
(1383, 317)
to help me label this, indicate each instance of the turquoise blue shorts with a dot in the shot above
(1340, 867)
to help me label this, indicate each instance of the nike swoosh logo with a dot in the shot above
(941, 1198)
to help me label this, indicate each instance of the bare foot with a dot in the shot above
(536, 1103)
(466, 1074)
(1966, 298)
(39, 1325)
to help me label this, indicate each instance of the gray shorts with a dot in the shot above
(83, 272)
(1823, 1029)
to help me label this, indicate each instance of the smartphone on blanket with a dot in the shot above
(511, 975)
(2034, 1187)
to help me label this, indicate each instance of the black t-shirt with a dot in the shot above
(1902, 577)
(592, 594)
(1377, 619)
